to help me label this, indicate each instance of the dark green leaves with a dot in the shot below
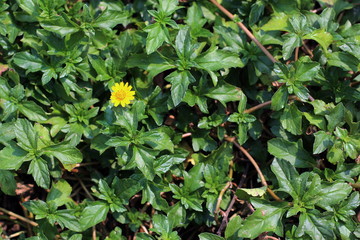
(290, 151)
(180, 81)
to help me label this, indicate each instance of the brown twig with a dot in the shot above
(252, 37)
(17, 216)
(270, 237)
(85, 189)
(16, 234)
(296, 53)
(221, 194)
(93, 233)
(186, 135)
(308, 51)
(256, 166)
(248, 33)
(227, 212)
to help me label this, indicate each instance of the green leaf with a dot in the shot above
(232, 228)
(66, 218)
(279, 99)
(287, 176)
(315, 226)
(332, 194)
(100, 67)
(225, 92)
(180, 81)
(32, 111)
(40, 171)
(343, 60)
(28, 61)
(335, 155)
(61, 25)
(202, 140)
(66, 154)
(12, 157)
(215, 59)
(125, 188)
(37, 207)
(322, 37)
(30, 6)
(92, 214)
(316, 120)
(257, 10)
(157, 34)
(266, 218)
(196, 21)
(336, 117)
(322, 141)
(168, 6)
(26, 136)
(291, 119)
(247, 193)
(59, 193)
(7, 182)
(306, 70)
(109, 19)
(291, 42)
(183, 43)
(291, 151)
(210, 236)
(152, 63)
(144, 161)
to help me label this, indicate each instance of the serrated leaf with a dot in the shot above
(93, 214)
(316, 226)
(225, 92)
(291, 41)
(168, 6)
(109, 19)
(287, 176)
(291, 119)
(7, 182)
(157, 34)
(279, 99)
(218, 59)
(210, 236)
(144, 161)
(321, 36)
(60, 25)
(40, 171)
(322, 141)
(66, 154)
(37, 207)
(291, 151)
(266, 218)
(32, 111)
(12, 157)
(332, 194)
(26, 136)
(59, 193)
(180, 81)
(343, 60)
(28, 61)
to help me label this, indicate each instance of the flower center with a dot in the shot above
(120, 95)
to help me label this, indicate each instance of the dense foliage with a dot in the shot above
(210, 106)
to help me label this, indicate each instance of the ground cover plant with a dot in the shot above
(167, 119)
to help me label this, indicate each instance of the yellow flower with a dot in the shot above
(121, 94)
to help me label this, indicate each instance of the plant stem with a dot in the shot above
(248, 33)
(227, 212)
(256, 166)
(252, 37)
(296, 53)
(17, 216)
